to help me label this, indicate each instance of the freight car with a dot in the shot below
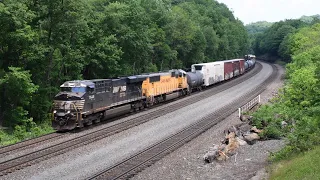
(249, 57)
(233, 68)
(88, 101)
(215, 72)
(195, 80)
(212, 72)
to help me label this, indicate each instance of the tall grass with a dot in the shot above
(305, 166)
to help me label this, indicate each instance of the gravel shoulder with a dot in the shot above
(187, 162)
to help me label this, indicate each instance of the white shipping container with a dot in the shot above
(213, 72)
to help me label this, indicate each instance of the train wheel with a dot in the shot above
(136, 109)
(141, 107)
(80, 124)
(186, 92)
(96, 121)
(89, 123)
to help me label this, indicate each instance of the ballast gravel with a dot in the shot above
(187, 162)
(85, 161)
(71, 135)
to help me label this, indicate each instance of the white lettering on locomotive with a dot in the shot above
(91, 97)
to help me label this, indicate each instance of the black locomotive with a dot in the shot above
(83, 101)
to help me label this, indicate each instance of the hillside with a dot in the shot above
(258, 27)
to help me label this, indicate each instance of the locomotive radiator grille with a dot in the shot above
(79, 104)
(67, 104)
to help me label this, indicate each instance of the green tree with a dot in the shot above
(299, 102)
(56, 41)
(16, 35)
(269, 42)
(17, 90)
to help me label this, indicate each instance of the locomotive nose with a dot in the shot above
(62, 122)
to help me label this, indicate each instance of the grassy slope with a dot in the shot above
(21, 134)
(305, 166)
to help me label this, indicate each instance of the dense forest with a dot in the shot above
(44, 43)
(271, 43)
(258, 27)
(254, 30)
(295, 112)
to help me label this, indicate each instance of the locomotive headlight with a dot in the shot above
(54, 111)
(68, 112)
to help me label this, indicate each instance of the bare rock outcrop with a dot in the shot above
(235, 136)
(246, 118)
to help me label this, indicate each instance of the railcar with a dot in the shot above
(233, 68)
(249, 64)
(250, 57)
(212, 72)
(195, 80)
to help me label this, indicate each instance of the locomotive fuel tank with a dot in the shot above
(195, 79)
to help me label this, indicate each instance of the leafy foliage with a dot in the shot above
(274, 41)
(17, 90)
(299, 102)
(269, 42)
(255, 30)
(258, 27)
(44, 43)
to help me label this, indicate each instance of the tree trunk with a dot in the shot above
(50, 66)
(1, 105)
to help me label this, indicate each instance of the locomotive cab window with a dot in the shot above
(173, 74)
(74, 89)
(65, 89)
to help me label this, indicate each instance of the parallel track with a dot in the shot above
(28, 143)
(147, 157)
(49, 137)
(46, 153)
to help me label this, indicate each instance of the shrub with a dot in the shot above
(23, 132)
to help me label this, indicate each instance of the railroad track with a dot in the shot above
(48, 152)
(136, 163)
(28, 143)
(49, 137)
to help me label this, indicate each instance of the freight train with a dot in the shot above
(83, 102)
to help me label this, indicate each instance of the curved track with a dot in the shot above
(145, 158)
(46, 153)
